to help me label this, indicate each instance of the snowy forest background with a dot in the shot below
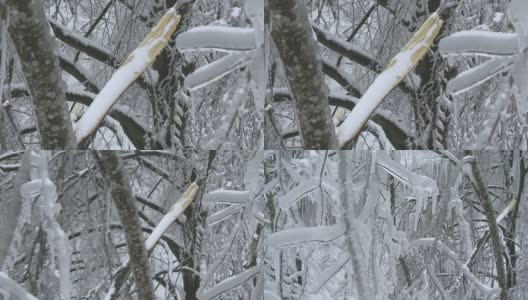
(466, 91)
(203, 90)
(254, 149)
(264, 224)
(63, 238)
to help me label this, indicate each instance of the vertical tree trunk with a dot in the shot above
(111, 167)
(36, 49)
(293, 36)
(485, 200)
(353, 239)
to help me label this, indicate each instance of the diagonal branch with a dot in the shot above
(392, 75)
(136, 63)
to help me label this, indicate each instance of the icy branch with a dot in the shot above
(477, 75)
(212, 72)
(229, 284)
(481, 43)
(220, 38)
(175, 211)
(226, 196)
(405, 176)
(298, 192)
(40, 184)
(306, 234)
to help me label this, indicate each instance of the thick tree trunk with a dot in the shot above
(111, 166)
(36, 49)
(293, 36)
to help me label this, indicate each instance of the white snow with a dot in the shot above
(477, 75)
(222, 214)
(212, 72)
(226, 196)
(395, 71)
(298, 192)
(235, 12)
(480, 42)
(306, 234)
(78, 37)
(221, 38)
(175, 211)
(498, 17)
(409, 178)
(506, 210)
(229, 284)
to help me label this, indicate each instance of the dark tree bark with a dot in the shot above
(485, 200)
(111, 167)
(28, 27)
(292, 33)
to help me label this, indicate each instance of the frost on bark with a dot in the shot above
(36, 49)
(111, 167)
(291, 31)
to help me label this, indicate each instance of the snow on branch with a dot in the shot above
(81, 43)
(226, 196)
(212, 72)
(175, 211)
(222, 214)
(221, 38)
(346, 49)
(12, 287)
(508, 51)
(506, 210)
(243, 41)
(393, 74)
(405, 176)
(136, 63)
(409, 178)
(397, 134)
(229, 284)
(477, 75)
(298, 192)
(294, 236)
(480, 43)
